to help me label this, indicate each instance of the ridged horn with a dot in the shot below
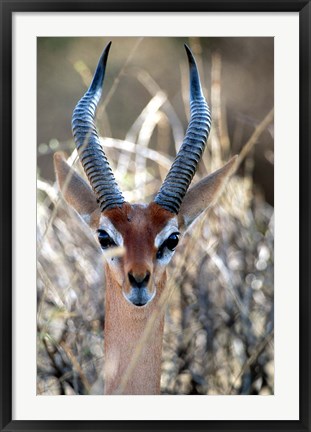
(90, 151)
(179, 177)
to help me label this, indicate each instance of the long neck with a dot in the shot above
(132, 358)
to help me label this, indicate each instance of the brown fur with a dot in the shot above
(124, 322)
(139, 226)
(204, 193)
(84, 202)
(124, 327)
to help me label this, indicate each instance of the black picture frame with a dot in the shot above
(7, 9)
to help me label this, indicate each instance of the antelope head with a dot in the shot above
(149, 233)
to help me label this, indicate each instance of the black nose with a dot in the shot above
(138, 280)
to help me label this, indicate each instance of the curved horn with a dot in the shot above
(90, 151)
(179, 177)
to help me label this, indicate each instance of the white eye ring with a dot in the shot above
(104, 239)
(169, 244)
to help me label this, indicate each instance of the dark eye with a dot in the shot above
(105, 240)
(170, 243)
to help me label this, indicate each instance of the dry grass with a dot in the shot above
(219, 309)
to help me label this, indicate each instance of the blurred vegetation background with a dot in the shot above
(219, 321)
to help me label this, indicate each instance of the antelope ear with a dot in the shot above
(76, 191)
(203, 194)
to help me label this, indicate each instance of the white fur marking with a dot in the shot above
(106, 225)
(170, 228)
(86, 218)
